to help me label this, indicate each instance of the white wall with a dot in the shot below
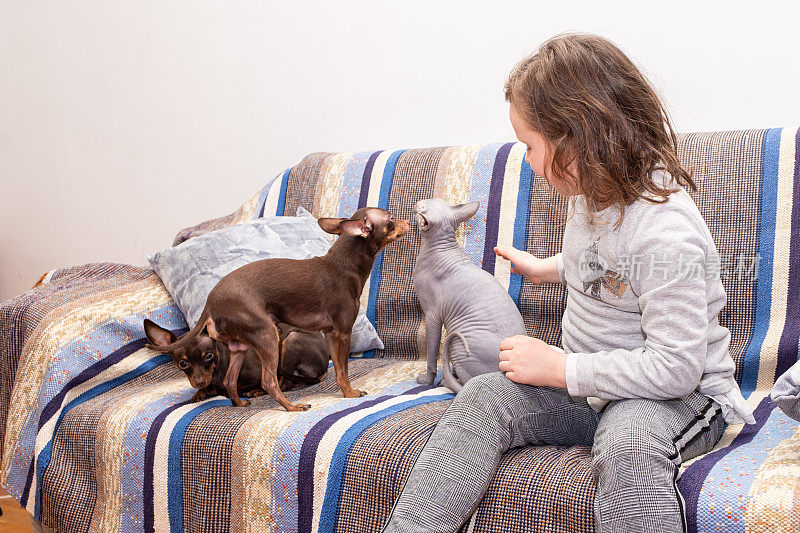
(122, 122)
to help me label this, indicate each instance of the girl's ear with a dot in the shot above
(331, 225)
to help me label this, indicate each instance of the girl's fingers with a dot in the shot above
(505, 252)
(504, 366)
(506, 344)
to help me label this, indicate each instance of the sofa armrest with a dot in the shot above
(64, 306)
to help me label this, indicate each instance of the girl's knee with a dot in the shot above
(630, 442)
(494, 393)
(485, 385)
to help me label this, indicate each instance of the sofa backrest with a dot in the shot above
(747, 182)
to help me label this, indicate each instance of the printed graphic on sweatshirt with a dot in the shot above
(595, 274)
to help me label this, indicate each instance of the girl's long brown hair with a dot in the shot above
(596, 110)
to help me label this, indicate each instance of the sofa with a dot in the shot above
(99, 435)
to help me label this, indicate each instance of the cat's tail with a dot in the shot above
(448, 379)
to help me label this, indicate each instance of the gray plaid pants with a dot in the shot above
(637, 446)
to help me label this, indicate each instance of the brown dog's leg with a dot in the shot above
(231, 380)
(266, 346)
(339, 346)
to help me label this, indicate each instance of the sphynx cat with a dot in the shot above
(469, 302)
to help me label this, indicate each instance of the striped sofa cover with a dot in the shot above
(99, 435)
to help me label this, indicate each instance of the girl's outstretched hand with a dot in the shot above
(533, 362)
(536, 270)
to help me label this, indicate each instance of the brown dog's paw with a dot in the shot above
(298, 407)
(199, 396)
(355, 393)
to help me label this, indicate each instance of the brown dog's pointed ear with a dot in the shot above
(157, 335)
(331, 225)
(356, 228)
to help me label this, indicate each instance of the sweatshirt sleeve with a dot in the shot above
(560, 267)
(671, 288)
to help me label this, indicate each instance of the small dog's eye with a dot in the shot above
(183, 364)
(208, 356)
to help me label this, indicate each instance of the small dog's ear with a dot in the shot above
(331, 225)
(465, 212)
(356, 228)
(157, 335)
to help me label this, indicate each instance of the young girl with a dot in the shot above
(645, 377)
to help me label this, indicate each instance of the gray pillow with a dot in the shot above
(190, 270)
(786, 392)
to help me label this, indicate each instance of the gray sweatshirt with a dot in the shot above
(643, 301)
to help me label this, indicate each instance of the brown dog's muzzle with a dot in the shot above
(400, 228)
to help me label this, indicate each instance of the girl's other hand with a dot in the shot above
(536, 270)
(533, 362)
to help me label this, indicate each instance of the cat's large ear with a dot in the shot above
(464, 212)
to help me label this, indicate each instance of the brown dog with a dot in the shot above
(317, 294)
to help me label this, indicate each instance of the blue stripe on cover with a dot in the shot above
(481, 177)
(44, 457)
(174, 478)
(71, 365)
(521, 225)
(133, 469)
(330, 506)
(352, 183)
(308, 453)
(282, 198)
(766, 245)
(149, 462)
(377, 266)
(709, 473)
(290, 449)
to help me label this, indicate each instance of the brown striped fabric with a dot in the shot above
(398, 311)
(21, 316)
(727, 169)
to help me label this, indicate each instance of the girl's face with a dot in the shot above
(539, 153)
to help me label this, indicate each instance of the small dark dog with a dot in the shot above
(316, 294)
(304, 357)
(304, 361)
